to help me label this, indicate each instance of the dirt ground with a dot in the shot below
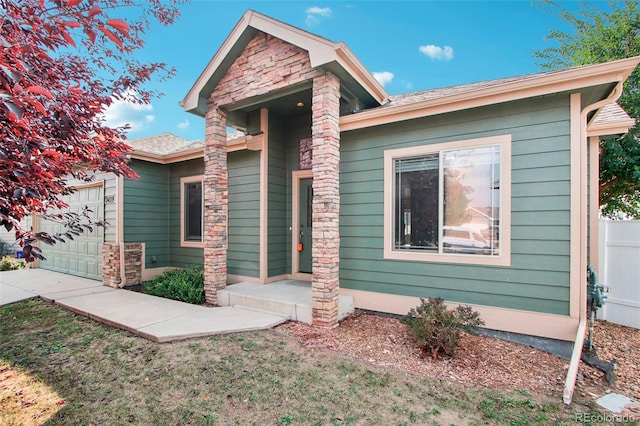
(483, 361)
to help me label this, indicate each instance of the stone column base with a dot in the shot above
(112, 264)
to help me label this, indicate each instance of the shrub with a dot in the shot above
(437, 329)
(185, 285)
(8, 263)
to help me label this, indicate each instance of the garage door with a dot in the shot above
(83, 255)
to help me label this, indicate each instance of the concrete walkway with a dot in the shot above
(155, 318)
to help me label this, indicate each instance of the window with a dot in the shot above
(449, 202)
(191, 212)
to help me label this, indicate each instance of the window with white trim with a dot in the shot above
(191, 211)
(447, 202)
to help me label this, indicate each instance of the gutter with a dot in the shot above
(572, 372)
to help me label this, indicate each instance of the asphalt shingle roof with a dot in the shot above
(163, 144)
(425, 95)
(168, 143)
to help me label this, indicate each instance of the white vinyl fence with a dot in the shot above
(620, 271)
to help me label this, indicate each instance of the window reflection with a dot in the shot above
(448, 202)
(471, 201)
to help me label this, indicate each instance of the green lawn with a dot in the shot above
(103, 376)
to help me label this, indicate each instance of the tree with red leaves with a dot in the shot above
(62, 63)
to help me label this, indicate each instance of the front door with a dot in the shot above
(304, 234)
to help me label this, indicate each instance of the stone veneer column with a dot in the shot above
(132, 264)
(325, 130)
(111, 265)
(215, 204)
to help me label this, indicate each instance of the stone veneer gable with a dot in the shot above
(266, 64)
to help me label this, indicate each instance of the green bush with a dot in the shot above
(9, 263)
(437, 329)
(185, 285)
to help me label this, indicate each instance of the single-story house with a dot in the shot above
(483, 194)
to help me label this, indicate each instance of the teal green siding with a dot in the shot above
(538, 278)
(152, 213)
(284, 135)
(182, 256)
(277, 201)
(243, 254)
(146, 213)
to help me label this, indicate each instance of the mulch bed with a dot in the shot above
(482, 361)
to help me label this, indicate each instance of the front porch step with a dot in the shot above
(290, 298)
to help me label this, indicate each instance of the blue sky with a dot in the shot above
(408, 45)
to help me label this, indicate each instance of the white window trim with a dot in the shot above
(183, 181)
(504, 259)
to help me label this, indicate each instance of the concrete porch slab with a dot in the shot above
(291, 298)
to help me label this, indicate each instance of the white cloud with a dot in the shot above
(444, 53)
(322, 11)
(184, 125)
(123, 112)
(315, 13)
(383, 77)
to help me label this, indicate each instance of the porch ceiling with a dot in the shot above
(285, 103)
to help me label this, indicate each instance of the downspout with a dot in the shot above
(572, 372)
(120, 226)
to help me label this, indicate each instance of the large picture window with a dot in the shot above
(191, 213)
(449, 202)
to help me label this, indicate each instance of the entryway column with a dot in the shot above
(325, 129)
(216, 192)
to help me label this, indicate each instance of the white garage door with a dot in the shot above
(83, 255)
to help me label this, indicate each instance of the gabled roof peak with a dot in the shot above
(323, 53)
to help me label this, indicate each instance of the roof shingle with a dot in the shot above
(162, 144)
